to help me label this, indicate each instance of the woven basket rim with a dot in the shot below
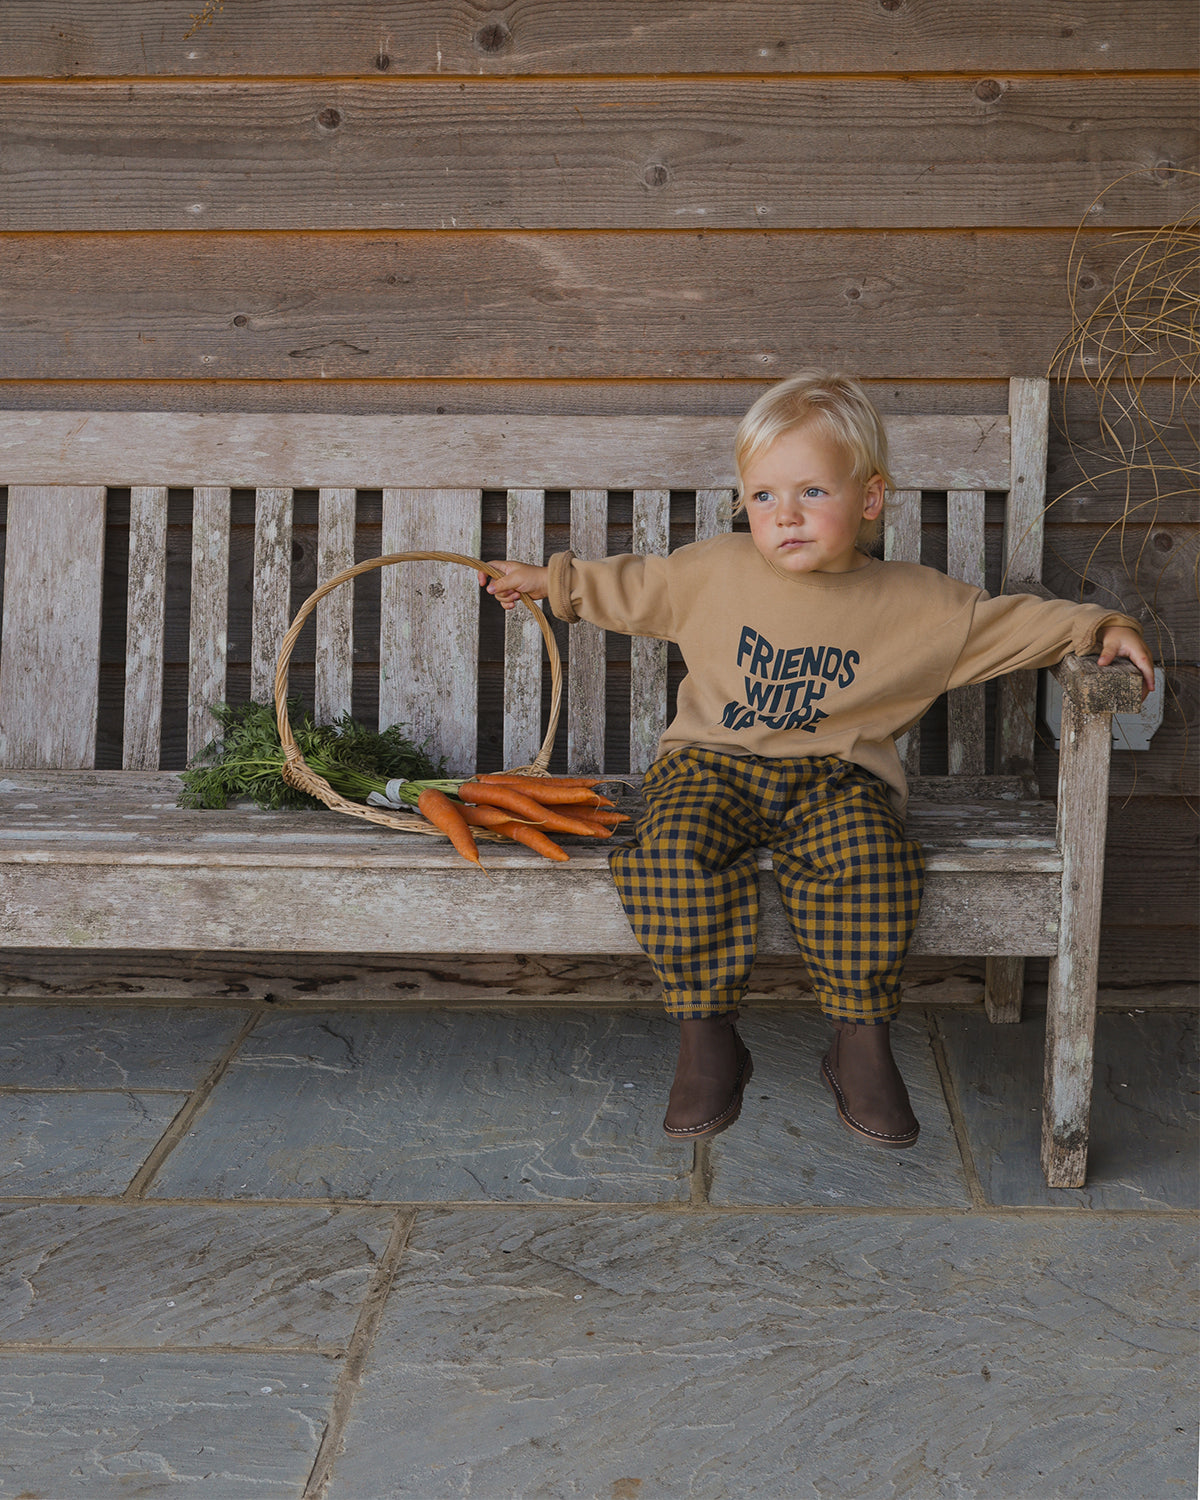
(297, 772)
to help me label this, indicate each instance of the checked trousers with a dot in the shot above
(849, 879)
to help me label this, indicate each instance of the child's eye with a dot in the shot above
(762, 495)
(813, 492)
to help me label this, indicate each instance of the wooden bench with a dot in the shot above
(104, 859)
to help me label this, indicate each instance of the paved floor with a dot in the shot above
(364, 1253)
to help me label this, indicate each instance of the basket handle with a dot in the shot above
(294, 761)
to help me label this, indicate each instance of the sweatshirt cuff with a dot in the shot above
(559, 591)
(1088, 642)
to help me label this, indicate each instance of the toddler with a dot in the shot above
(806, 657)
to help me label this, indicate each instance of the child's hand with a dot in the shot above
(1119, 640)
(519, 578)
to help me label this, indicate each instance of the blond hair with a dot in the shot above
(837, 407)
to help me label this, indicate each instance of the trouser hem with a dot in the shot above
(700, 1005)
(874, 1011)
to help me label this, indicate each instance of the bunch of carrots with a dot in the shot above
(524, 808)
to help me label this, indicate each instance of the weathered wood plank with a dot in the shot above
(522, 637)
(443, 452)
(1003, 989)
(394, 38)
(209, 612)
(911, 306)
(1024, 527)
(440, 908)
(586, 646)
(902, 543)
(714, 513)
(1074, 971)
(966, 559)
(272, 587)
(334, 664)
(429, 630)
(600, 154)
(648, 657)
(144, 628)
(50, 656)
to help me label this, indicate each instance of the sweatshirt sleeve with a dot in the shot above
(1014, 631)
(629, 594)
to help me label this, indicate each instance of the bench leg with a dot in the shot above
(1071, 1004)
(1003, 983)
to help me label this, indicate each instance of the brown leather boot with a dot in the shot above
(861, 1073)
(713, 1070)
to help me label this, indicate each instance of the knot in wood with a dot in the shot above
(891, 4)
(1086, 283)
(494, 37)
(1164, 170)
(988, 90)
(329, 118)
(655, 175)
(383, 62)
(240, 321)
(1164, 542)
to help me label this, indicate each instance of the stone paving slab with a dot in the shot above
(146, 1276)
(788, 1146)
(441, 1106)
(112, 1046)
(733, 1356)
(55, 1143)
(209, 1427)
(1142, 1148)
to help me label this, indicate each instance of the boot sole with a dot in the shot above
(864, 1132)
(722, 1121)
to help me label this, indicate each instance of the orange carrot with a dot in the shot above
(484, 817)
(492, 794)
(534, 838)
(550, 795)
(443, 814)
(521, 779)
(608, 816)
(596, 830)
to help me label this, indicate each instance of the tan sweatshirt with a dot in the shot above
(816, 664)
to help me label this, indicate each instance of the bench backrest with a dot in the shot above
(428, 477)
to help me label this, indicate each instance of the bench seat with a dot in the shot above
(108, 860)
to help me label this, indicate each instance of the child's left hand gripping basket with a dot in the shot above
(297, 772)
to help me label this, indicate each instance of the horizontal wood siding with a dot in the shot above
(389, 38)
(925, 153)
(613, 209)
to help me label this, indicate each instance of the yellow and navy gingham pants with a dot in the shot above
(850, 880)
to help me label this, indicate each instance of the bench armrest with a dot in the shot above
(1114, 689)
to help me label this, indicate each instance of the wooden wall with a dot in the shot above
(611, 207)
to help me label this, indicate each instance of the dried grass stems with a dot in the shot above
(1139, 343)
(204, 17)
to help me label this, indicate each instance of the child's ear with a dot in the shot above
(873, 497)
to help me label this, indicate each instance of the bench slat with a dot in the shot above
(586, 653)
(144, 630)
(714, 513)
(429, 622)
(647, 656)
(208, 643)
(902, 543)
(965, 560)
(334, 666)
(50, 659)
(1024, 526)
(272, 587)
(524, 542)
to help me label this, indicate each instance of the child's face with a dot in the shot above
(804, 506)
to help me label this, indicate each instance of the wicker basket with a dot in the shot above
(297, 773)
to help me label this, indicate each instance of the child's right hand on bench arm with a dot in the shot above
(519, 578)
